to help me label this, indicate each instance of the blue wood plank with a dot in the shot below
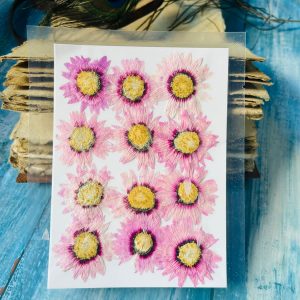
(274, 207)
(21, 206)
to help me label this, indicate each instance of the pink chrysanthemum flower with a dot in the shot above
(87, 193)
(80, 138)
(87, 82)
(187, 196)
(131, 86)
(137, 137)
(182, 80)
(185, 143)
(84, 248)
(141, 196)
(138, 238)
(185, 253)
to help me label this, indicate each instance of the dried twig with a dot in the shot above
(105, 14)
(269, 21)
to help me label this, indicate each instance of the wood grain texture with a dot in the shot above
(20, 207)
(274, 206)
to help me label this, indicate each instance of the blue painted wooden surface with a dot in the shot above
(273, 207)
(274, 240)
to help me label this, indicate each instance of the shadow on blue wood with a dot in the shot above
(273, 201)
(274, 243)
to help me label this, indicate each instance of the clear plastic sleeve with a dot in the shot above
(40, 65)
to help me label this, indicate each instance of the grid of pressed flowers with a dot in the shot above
(151, 205)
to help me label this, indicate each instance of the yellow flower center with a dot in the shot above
(182, 86)
(189, 254)
(82, 139)
(90, 194)
(88, 83)
(187, 192)
(143, 243)
(187, 142)
(133, 87)
(86, 245)
(140, 137)
(141, 198)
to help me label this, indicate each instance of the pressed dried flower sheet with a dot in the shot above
(139, 167)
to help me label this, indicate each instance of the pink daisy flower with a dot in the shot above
(182, 80)
(141, 196)
(185, 143)
(87, 193)
(138, 238)
(84, 248)
(87, 82)
(136, 138)
(131, 86)
(80, 138)
(186, 253)
(187, 196)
